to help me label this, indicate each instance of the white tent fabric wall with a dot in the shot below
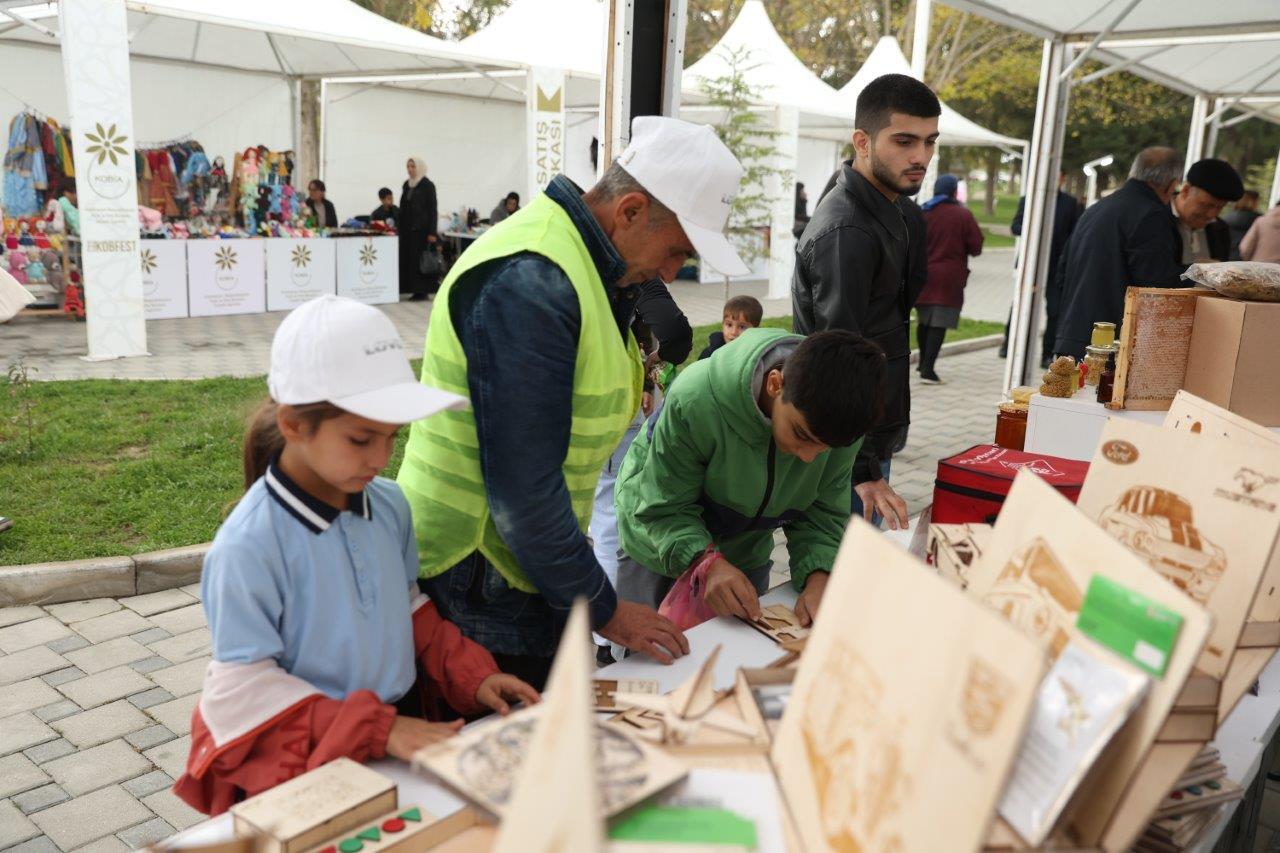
(953, 128)
(815, 163)
(474, 149)
(224, 110)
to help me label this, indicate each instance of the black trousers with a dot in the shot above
(929, 339)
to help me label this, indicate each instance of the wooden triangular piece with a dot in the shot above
(696, 696)
(556, 802)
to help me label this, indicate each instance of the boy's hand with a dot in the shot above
(646, 404)
(643, 629)
(408, 735)
(878, 496)
(807, 603)
(729, 592)
(499, 689)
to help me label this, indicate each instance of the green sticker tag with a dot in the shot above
(685, 826)
(1130, 624)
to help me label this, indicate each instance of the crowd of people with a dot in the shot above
(552, 458)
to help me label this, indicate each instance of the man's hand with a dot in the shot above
(409, 734)
(499, 689)
(729, 592)
(646, 403)
(807, 603)
(641, 629)
(878, 496)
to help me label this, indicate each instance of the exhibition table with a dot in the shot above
(1242, 739)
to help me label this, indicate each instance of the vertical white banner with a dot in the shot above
(369, 269)
(164, 278)
(298, 271)
(95, 60)
(545, 127)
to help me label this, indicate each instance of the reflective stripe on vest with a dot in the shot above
(441, 470)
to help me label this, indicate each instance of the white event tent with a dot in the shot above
(226, 74)
(953, 128)
(1226, 55)
(485, 114)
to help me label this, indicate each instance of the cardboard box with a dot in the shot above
(1234, 351)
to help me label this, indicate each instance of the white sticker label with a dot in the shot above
(1144, 652)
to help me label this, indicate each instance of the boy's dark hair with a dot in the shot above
(513, 196)
(747, 307)
(316, 184)
(384, 192)
(893, 93)
(836, 379)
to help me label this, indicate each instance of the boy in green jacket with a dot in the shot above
(761, 435)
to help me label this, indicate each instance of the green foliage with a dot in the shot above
(746, 133)
(23, 416)
(445, 20)
(1261, 177)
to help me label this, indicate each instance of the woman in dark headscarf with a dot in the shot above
(952, 235)
(417, 229)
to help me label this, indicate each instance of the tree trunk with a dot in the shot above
(993, 172)
(307, 166)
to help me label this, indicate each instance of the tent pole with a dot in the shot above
(920, 38)
(782, 239)
(1041, 182)
(1275, 186)
(1195, 141)
(643, 61)
(324, 130)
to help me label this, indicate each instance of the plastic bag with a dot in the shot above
(683, 604)
(1253, 280)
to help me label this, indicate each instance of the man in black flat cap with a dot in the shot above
(1210, 185)
(1127, 239)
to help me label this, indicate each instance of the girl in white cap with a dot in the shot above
(322, 644)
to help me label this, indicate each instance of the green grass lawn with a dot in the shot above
(997, 241)
(121, 467)
(1006, 207)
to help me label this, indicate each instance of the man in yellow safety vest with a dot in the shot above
(532, 325)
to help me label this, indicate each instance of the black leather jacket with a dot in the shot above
(860, 265)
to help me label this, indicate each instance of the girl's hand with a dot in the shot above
(499, 689)
(409, 734)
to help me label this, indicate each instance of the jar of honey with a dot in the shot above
(1104, 334)
(1011, 426)
(1096, 360)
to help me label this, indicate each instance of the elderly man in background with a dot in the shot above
(1126, 239)
(1210, 185)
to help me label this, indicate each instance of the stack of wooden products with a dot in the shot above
(1052, 682)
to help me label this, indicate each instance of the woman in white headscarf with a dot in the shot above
(417, 230)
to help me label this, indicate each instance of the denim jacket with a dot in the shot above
(518, 319)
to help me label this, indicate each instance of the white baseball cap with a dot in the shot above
(347, 353)
(687, 168)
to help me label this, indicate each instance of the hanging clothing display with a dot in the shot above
(36, 164)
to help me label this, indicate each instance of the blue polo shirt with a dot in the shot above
(324, 593)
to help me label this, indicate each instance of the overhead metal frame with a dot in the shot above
(1210, 111)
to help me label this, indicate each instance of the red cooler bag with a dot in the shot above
(971, 486)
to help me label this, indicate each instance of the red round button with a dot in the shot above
(395, 824)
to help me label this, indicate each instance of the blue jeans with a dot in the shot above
(604, 518)
(856, 502)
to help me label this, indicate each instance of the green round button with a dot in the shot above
(351, 845)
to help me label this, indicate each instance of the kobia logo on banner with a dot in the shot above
(549, 136)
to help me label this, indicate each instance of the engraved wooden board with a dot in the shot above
(907, 710)
(1041, 556)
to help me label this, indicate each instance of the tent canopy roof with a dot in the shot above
(292, 37)
(953, 128)
(567, 34)
(771, 69)
(1224, 49)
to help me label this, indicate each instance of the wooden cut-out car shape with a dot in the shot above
(1160, 526)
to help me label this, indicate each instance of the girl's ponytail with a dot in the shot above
(263, 440)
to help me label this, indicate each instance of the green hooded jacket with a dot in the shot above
(705, 470)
